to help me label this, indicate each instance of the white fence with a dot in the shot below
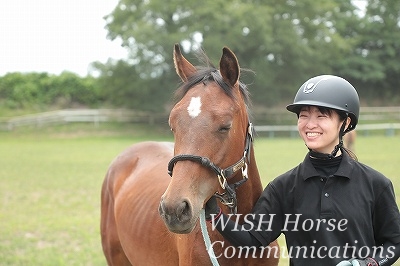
(272, 131)
(375, 117)
(94, 116)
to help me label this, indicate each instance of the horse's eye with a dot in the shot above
(225, 128)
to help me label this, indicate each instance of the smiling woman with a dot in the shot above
(318, 128)
(327, 108)
(328, 185)
(55, 36)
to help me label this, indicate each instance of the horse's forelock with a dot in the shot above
(206, 74)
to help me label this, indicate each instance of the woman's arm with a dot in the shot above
(230, 230)
(389, 255)
(234, 233)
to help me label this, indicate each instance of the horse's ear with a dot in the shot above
(183, 68)
(229, 67)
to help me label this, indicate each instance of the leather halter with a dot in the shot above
(228, 198)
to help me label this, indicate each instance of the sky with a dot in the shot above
(55, 35)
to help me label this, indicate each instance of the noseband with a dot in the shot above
(228, 198)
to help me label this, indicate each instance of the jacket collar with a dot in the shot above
(345, 169)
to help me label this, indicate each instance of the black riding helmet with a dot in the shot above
(331, 92)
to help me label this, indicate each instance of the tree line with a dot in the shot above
(40, 91)
(283, 42)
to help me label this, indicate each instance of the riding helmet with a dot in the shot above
(331, 92)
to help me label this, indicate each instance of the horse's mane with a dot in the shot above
(209, 73)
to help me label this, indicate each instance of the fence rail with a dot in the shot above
(389, 128)
(97, 116)
(94, 116)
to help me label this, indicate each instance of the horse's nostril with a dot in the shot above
(183, 211)
(178, 213)
(161, 208)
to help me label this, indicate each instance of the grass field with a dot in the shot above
(50, 183)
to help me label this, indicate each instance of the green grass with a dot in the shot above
(50, 183)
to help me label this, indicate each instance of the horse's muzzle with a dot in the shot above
(178, 217)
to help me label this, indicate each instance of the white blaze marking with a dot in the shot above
(194, 107)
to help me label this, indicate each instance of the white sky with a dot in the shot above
(55, 35)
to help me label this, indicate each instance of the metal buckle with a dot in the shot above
(225, 199)
(244, 171)
(222, 180)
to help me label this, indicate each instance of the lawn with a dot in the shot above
(50, 186)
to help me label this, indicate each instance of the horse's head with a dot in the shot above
(210, 123)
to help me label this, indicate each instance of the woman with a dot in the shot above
(332, 209)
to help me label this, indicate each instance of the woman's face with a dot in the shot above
(319, 131)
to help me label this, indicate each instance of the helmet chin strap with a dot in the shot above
(332, 155)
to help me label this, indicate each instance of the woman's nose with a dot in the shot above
(311, 122)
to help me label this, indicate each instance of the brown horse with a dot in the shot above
(151, 218)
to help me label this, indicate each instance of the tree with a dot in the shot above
(123, 86)
(381, 46)
(284, 42)
(41, 90)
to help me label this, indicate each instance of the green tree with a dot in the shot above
(44, 91)
(284, 42)
(68, 89)
(371, 61)
(21, 90)
(381, 45)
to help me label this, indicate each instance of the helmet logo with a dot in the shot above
(308, 88)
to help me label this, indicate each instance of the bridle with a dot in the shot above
(227, 198)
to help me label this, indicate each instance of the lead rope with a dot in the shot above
(206, 238)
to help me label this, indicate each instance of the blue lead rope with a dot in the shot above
(206, 238)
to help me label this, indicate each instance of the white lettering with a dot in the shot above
(221, 221)
(247, 249)
(228, 248)
(304, 225)
(211, 249)
(319, 252)
(270, 248)
(237, 225)
(312, 251)
(248, 221)
(331, 250)
(295, 222)
(269, 222)
(342, 222)
(391, 250)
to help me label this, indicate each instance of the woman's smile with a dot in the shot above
(313, 134)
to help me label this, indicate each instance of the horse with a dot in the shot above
(153, 192)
